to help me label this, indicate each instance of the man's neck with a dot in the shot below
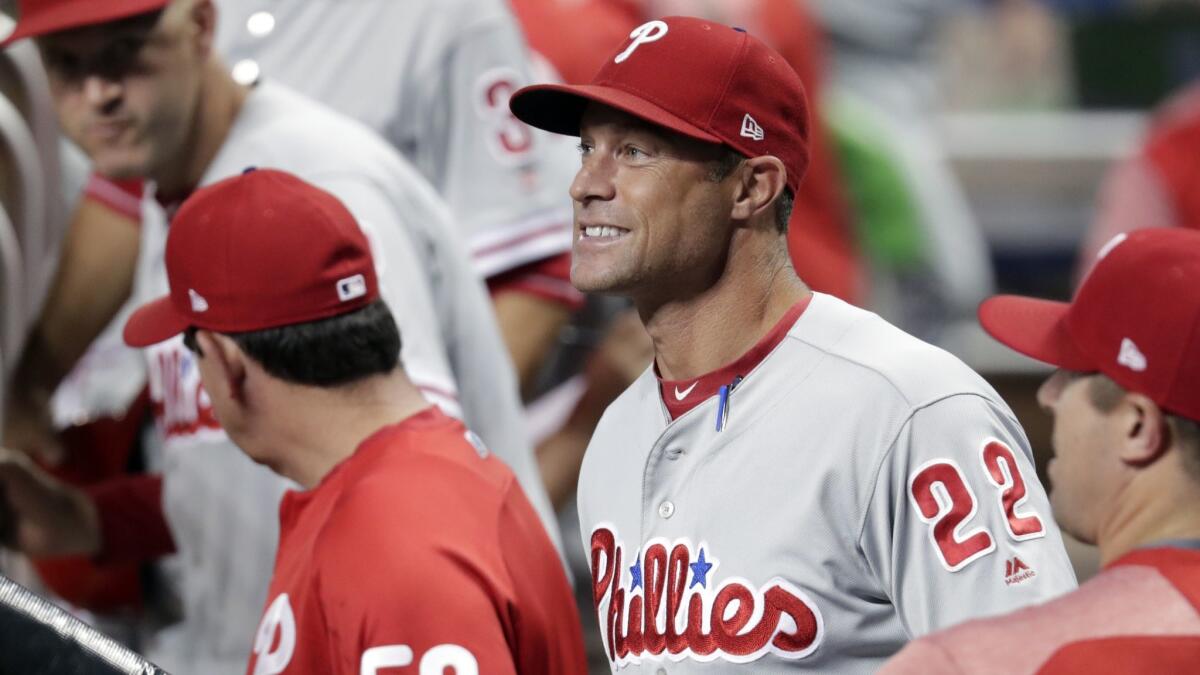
(1147, 512)
(317, 429)
(701, 333)
(217, 108)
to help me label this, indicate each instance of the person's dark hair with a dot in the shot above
(1105, 394)
(325, 353)
(730, 160)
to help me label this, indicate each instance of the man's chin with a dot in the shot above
(120, 166)
(601, 284)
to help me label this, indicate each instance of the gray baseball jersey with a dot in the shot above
(433, 77)
(222, 508)
(863, 488)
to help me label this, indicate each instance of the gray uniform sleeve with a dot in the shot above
(502, 180)
(958, 525)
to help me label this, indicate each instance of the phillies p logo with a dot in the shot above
(651, 31)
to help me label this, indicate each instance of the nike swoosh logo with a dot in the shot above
(680, 395)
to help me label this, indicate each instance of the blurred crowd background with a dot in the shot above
(967, 147)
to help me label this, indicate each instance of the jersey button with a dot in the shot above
(666, 509)
(246, 72)
(260, 24)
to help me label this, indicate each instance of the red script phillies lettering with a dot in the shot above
(667, 604)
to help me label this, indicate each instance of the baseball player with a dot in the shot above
(794, 484)
(138, 87)
(1126, 470)
(434, 61)
(1154, 187)
(433, 77)
(299, 356)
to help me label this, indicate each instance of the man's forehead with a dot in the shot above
(597, 115)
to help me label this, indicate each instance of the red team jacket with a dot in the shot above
(1140, 616)
(417, 554)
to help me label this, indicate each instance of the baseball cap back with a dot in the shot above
(1135, 318)
(42, 17)
(698, 78)
(259, 250)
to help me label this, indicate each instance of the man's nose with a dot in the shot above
(594, 180)
(101, 92)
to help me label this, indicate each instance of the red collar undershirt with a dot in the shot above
(680, 396)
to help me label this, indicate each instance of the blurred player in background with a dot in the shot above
(139, 88)
(1126, 470)
(409, 543)
(1157, 186)
(447, 69)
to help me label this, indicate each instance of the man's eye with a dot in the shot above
(583, 148)
(634, 152)
(66, 66)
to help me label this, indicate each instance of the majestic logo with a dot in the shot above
(680, 395)
(669, 605)
(351, 288)
(199, 304)
(751, 129)
(651, 31)
(1016, 571)
(1131, 357)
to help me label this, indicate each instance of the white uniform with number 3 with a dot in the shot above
(866, 488)
(433, 77)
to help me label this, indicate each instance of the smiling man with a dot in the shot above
(1126, 471)
(794, 484)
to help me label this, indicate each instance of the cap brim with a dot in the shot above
(154, 322)
(558, 108)
(1035, 328)
(70, 15)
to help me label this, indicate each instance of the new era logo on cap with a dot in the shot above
(199, 304)
(751, 130)
(1131, 357)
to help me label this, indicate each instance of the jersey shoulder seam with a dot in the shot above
(891, 447)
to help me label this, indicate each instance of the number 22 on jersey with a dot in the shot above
(943, 498)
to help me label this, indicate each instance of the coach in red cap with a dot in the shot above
(391, 555)
(794, 484)
(1126, 471)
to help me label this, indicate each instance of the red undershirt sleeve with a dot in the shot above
(133, 526)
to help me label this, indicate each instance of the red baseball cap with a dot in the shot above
(698, 78)
(1136, 318)
(260, 250)
(42, 17)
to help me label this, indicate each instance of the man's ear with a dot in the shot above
(202, 15)
(761, 180)
(225, 360)
(1143, 429)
